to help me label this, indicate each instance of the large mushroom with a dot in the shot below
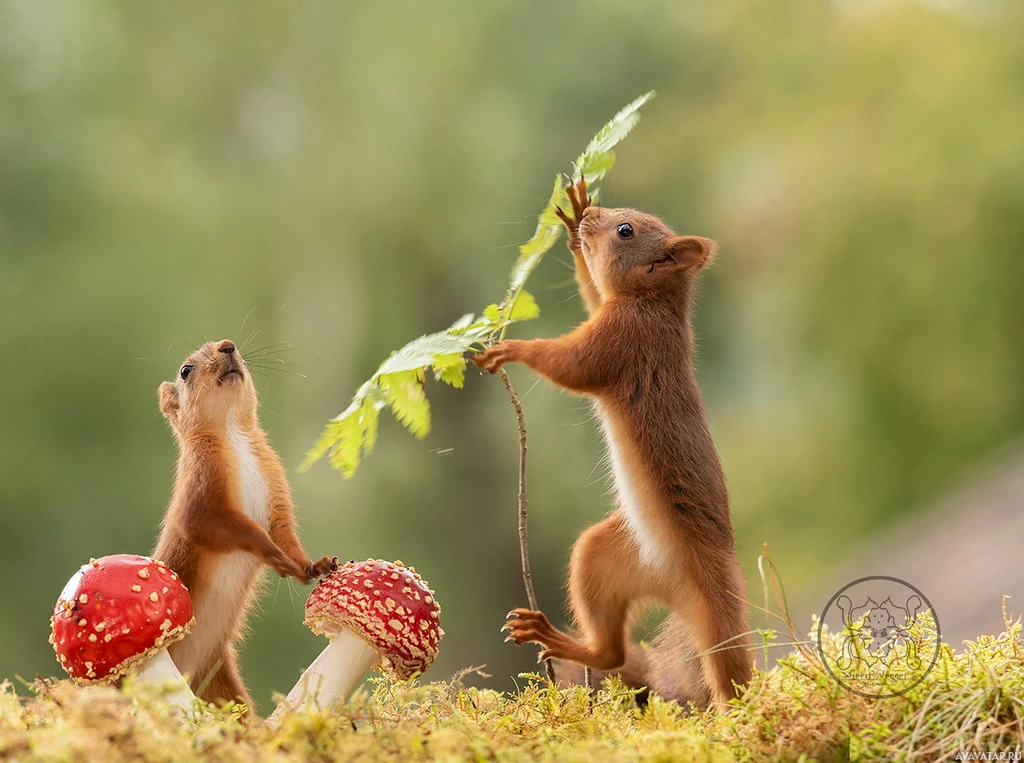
(376, 614)
(117, 615)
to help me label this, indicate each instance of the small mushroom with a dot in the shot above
(117, 615)
(376, 614)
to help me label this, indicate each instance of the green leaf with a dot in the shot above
(399, 381)
(351, 433)
(549, 228)
(595, 161)
(450, 369)
(423, 351)
(525, 308)
(597, 165)
(462, 323)
(492, 313)
(596, 154)
(405, 395)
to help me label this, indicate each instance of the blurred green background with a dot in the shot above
(342, 177)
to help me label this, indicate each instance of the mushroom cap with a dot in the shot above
(114, 612)
(387, 605)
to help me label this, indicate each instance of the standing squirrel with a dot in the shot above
(671, 539)
(230, 513)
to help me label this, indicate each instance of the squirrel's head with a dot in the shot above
(212, 385)
(632, 252)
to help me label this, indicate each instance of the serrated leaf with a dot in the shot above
(369, 416)
(450, 369)
(404, 392)
(617, 128)
(492, 313)
(471, 333)
(351, 434)
(525, 308)
(462, 323)
(596, 166)
(549, 228)
(595, 161)
(423, 350)
(398, 382)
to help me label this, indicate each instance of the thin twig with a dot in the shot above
(524, 552)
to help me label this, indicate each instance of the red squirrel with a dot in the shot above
(230, 513)
(671, 539)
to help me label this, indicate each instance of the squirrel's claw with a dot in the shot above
(526, 625)
(578, 196)
(485, 361)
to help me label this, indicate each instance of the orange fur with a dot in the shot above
(671, 540)
(230, 513)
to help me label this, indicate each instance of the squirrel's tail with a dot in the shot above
(669, 667)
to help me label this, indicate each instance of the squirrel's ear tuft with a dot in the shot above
(691, 251)
(169, 403)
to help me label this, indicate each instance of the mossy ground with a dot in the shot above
(972, 700)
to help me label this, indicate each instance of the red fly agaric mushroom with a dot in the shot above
(118, 614)
(376, 614)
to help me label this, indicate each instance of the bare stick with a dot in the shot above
(524, 552)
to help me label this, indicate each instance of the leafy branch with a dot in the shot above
(400, 381)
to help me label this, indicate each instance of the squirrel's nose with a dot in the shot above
(226, 346)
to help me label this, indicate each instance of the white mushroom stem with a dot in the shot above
(332, 676)
(160, 669)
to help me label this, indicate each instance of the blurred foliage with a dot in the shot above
(323, 178)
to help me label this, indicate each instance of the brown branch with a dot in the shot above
(524, 552)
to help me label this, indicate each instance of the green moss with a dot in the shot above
(794, 711)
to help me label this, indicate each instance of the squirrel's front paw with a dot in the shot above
(324, 566)
(494, 358)
(287, 567)
(580, 201)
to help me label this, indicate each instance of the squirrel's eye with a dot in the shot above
(625, 230)
(185, 371)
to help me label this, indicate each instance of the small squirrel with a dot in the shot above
(230, 513)
(671, 539)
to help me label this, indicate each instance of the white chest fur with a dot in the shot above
(254, 493)
(630, 490)
(232, 575)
